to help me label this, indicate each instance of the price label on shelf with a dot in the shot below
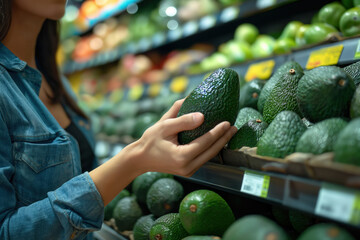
(136, 92)
(262, 70)
(260, 4)
(154, 89)
(255, 184)
(324, 57)
(339, 203)
(229, 14)
(179, 84)
(207, 22)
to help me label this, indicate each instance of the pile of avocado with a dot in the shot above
(155, 207)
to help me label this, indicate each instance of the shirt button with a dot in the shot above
(81, 123)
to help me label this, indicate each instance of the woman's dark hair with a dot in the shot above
(45, 53)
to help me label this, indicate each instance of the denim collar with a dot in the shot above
(9, 60)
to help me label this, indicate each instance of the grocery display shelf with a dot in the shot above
(329, 201)
(185, 30)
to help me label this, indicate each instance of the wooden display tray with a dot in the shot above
(319, 167)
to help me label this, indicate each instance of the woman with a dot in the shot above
(43, 192)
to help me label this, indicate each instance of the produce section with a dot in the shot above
(322, 183)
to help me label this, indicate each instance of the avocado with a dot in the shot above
(354, 72)
(300, 220)
(254, 227)
(350, 22)
(299, 37)
(108, 210)
(319, 32)
(283, 96)
(164, 196)
(143, 122)
(168, 227)
(249, 93)
(217, 97)
(325, 231)
(248, 135)
(290, 30)
(142, 227)
(269, 85)
(246, 114)
(347, 146)
(355, 104)
(321, 137)
(331, 13)
(282, 135)
(126, 212)
(199, 237)
(142, 184)
(204, 212)
(325, 92)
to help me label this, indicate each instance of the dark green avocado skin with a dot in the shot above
(217, 97)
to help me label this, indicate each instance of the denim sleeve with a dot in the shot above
(70, 212)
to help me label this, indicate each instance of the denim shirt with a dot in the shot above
(43, 194)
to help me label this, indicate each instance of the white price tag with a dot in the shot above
(255, 184)
(337, 203)
(265, 3)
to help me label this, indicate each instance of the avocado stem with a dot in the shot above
(158, 236)
(255, 95)
(193, 208)
(258, 120)
(341, 82)
(292, 71)
(333, 232)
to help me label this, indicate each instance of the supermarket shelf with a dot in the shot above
(199, 26)
(107, 233)
(328, 201)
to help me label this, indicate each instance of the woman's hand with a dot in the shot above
(160, 150)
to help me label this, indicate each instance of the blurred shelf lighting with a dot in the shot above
(132, 8)
(172, 24)
(171, 11)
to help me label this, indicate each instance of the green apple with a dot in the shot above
(263, 46)
(350, 22)
(246, 32)
(331, 13)
(284, 45)
(299, 37)
(291, 29)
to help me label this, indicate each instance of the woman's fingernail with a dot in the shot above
(197, 117)
(226, 126)
(234, 130)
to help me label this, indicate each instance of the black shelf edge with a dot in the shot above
(187, 29)
(287, 190)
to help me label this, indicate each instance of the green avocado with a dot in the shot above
(204, 212)
(290, 30)
(269, 85)
(126, 212)
(321, 137)
(199, 237)
(255, 227)
(319, 32)
(217, 97)
(325, 231)
(142, 227)
(249, 93)
(347, 146)
(109, 209)
(355, 104)
(300, 220)
(164, 196)
(168, 227)
(282, 135)
(354, 72)
(142, 184)
(248, 135)
(329, 81)
(283, 95)
(246, 114)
